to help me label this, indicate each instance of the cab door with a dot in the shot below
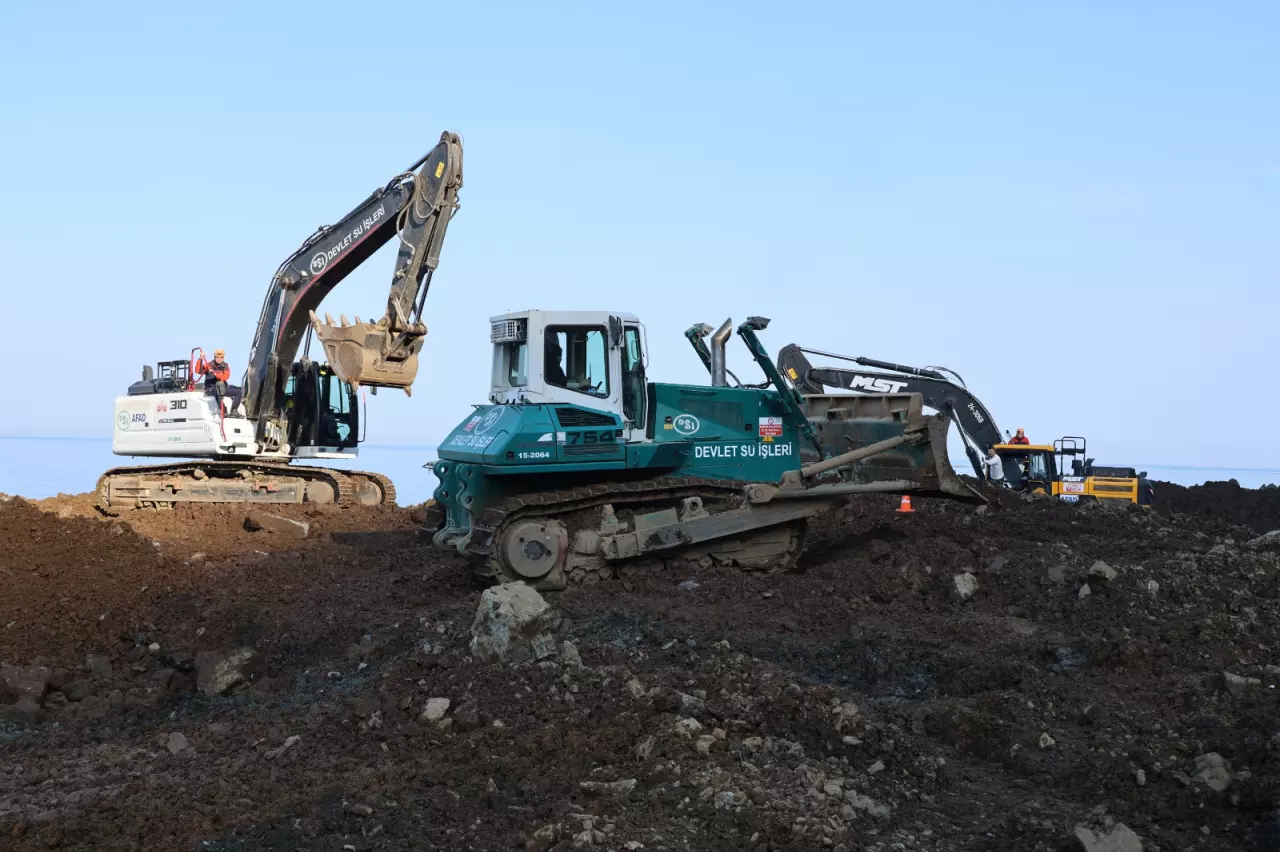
(635, 386)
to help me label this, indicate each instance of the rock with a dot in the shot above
(722, 645)
(1101, 571)
(644, 747)
(876, 767)
(26, 711)
(1140, 776)
(17, 683)
(964, 586)
(1058, 574)
(704, 744)
(512, 625)
(692, 704)
(542, 839)
(467, 715)
(256, 521)
(1047, 741)
(435, 709)
(361, 810)
(289, 743)
(217, 673)
(1120, 838)
(1218, 550)
(723, 800)
(1213, 772)
(636, 688)
(688, 727)
(868, 805)
(1237, 685)
(620, 789)
(176, 743)
(1153, 587)
(98, 665)
(1084, 592)
(78, 690)
(1266, 541)
(569, 655)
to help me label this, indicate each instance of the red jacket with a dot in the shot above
(220, 370)
(1020, 440)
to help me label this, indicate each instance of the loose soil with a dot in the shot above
(856, 704)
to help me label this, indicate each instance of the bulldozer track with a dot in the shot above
(496, 519)
(344, 483)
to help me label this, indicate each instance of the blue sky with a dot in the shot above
(1073, 205)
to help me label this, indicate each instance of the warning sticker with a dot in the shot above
(1073, 487)
(770, 427)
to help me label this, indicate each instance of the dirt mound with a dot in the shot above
(1099, 665)
(1223, 504)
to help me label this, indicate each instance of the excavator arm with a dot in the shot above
(416, 207)
(977, 427)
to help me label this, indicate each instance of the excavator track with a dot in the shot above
(383, 492)
(258, 482)
(769, 549)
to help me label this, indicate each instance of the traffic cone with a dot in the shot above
(905, 505)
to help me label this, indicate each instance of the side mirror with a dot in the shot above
(148, 373)
(615, 332)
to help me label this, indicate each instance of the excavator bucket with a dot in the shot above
(369, 354)
(895, 447)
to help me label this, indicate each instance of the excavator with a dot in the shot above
(579, 469)
(1061, 469)
(238, 447)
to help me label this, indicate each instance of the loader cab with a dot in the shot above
(322, 409)
(1029, 467)
(586, 359)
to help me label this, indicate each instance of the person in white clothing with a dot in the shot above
(995, 468)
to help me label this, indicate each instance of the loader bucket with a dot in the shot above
(914, 457)
(368, 354)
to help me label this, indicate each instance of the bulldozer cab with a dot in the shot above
(592, 359)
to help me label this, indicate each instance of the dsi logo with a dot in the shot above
(686, 424)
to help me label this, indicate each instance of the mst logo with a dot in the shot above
(869, 383)
(686, 424)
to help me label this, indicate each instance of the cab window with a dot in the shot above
(577, 359)
(633, 382)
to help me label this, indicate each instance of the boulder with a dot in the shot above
(218, 672)
(1101, 571)
(1237, 685)
(1266, 541)
(256, 521)
(99, 665)
(26, 711)
(964, 586)
(435, 709)
(1213, 772)
(17, 683)
(1120, 838)
(513, 624)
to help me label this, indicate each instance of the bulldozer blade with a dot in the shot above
(895, 448)
(367, 354)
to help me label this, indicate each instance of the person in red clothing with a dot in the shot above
(217, 378)
(1020, 438)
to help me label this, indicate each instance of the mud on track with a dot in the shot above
(859, 704)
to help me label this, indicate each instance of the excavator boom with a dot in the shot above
(414, 207)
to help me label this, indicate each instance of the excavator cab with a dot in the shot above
(324, 415)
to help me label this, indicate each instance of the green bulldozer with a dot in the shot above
(580, 468)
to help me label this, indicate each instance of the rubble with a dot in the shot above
(886, 718)
(964, 586)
